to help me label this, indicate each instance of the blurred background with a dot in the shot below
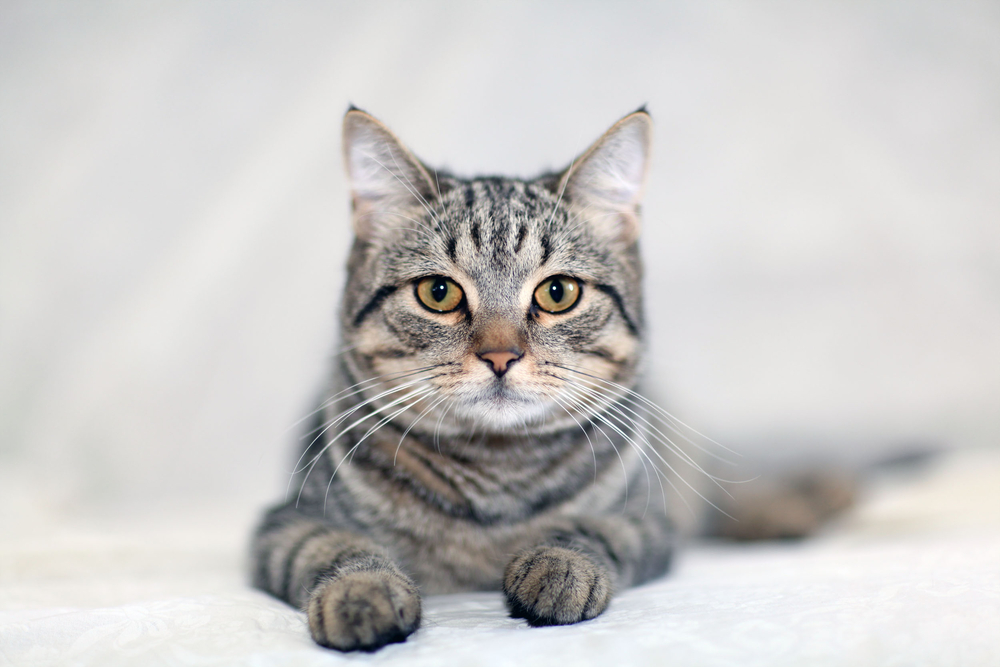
(822, 220)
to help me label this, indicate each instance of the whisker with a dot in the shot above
(585, 221)
(437, 427)
(339, 419)
(350, 411)
(312, 464)
(427, 229)
(412, 229)
(657, 410)
(686, 483)
(586, 435)
(641, 434)
(596, 414)
(409, 186)
(406, 184)
(382, 422)
(562, 190)
(617, 453)
(378, 378)
(413, 423)
(662, 438)
(578, 215)
(632, 426)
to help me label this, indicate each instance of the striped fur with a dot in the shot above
(429, 469)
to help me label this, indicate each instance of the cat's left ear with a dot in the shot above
(605, 183)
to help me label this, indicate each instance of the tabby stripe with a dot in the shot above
(500, 229)
(523, 570)
(380, 295)
(320, 620)
(262, 574)
(602, 540)
(601, 353)
(452, 242)
(475, 234)
(292, 554)
(450, 483)
(617, 298)
(522, 231)
(546, 248)
(588, 606)
(342, 560)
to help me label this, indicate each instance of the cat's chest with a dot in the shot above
(455, 527)
(446, 555)
(408, 486)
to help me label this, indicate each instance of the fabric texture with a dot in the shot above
(909, 577)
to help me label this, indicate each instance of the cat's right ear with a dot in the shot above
(385, 177)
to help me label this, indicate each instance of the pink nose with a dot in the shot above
(501, 360)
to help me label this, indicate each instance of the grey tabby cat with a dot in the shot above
(481, 431)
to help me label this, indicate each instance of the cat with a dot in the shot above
(482, 429)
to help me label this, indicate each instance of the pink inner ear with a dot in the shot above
(611, 173)
(385, 176)
(605, 185)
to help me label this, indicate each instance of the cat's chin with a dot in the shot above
(504, 410)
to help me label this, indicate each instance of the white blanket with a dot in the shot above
(910, 577)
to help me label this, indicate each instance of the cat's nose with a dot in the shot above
(500, 360)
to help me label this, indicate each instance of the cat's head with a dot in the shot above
(500, 303)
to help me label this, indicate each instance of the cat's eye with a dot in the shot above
(440, 294)
(557, 294)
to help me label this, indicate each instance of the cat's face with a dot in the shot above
(498, 303)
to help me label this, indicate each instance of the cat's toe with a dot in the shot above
(363, 611)
(556, 586)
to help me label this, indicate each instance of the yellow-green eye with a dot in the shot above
(557, 294)
(439, 294)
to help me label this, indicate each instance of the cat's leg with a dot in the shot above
(570, 571)
(355, 596)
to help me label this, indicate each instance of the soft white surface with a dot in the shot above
(911, 577)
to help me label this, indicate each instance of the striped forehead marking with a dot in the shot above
(499, 217)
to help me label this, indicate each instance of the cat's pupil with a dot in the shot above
(439, 290)
(556, 291)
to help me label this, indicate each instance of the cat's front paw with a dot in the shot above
(363, 611)
(556, 586)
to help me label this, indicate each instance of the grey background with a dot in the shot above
(822, 222)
